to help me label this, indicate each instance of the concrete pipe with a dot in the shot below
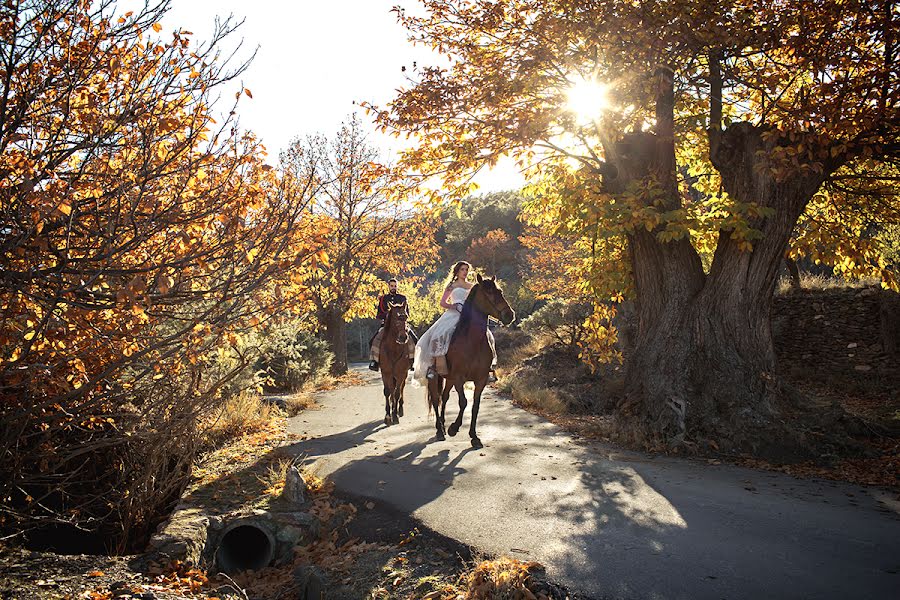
(245, 546)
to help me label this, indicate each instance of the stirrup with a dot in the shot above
(431, 373)
(492, 377)
(373, 365)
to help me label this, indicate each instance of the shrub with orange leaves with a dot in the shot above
(138, 239)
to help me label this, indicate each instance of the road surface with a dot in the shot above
(605, 522)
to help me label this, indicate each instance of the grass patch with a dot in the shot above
(527, 392)
(240, 415)
(510, 361)
(810, 281)
(331, 382)
(297, 402)
(274, 476)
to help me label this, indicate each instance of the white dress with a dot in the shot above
(436, 341)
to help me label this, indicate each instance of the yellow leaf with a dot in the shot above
(157, 27)
(247, 91)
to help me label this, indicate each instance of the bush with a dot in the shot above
(565, 322)
(290, 357)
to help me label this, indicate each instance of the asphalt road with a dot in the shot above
(608, 523)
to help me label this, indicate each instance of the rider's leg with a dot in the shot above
(375, 349)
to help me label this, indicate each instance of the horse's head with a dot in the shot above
(395, 324)
(491, 301)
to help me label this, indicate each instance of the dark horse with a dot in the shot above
(469, 356)
(393, 358)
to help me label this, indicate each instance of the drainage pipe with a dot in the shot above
(245, 546)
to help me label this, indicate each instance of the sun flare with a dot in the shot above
(587, 99)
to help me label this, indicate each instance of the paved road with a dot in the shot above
(608, 523)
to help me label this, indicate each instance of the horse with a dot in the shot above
(394, 362)
(469, 356)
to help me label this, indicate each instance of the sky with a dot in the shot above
(314, 59)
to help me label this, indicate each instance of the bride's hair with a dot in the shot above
(455, 271)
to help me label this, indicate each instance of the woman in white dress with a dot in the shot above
(434, 343)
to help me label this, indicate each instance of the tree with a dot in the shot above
(131, 251)
(370, 232)
(491, 249)
(424, 301)
(727, 121)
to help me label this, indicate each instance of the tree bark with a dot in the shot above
(336, 336)
(703, 365)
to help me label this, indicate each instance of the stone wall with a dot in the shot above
(838, 332)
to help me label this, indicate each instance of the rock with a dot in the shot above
(295, 488)
(183, 537)
(311, 582)
(852, 345)
(863, 368)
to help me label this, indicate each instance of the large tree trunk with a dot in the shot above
(703, 362)
(336, 336)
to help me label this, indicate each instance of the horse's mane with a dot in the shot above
(465, 318)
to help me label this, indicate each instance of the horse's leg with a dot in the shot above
(476, 403)
(445, 395)
(401, 383)
(460, 390)
(395, 398)
(434, 392)
(387, 400)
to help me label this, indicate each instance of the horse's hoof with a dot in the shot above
(440, 436)
(476, 443)
(453, 429)
(400, 411)
(387, 420)
(395, 420)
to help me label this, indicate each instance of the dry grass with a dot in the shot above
(509, 362)
(238, 416)
(330, 382)
(300, 401)
(528, 393)
(275, 475)
(809, 281)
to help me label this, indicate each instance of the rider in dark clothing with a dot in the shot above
(384, 302)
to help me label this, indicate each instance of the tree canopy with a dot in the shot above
(725, 134)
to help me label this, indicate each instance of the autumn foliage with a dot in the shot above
(723, 135)
(371, 231)
(133, 252)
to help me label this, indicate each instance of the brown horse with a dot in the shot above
(469, 356)
(393, 360)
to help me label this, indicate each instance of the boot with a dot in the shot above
(440, 365)
(373, 365)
